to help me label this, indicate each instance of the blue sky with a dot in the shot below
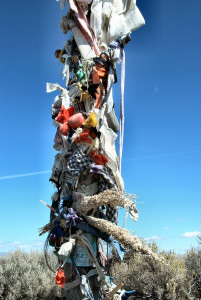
(162, 145)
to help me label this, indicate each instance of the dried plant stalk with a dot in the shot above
(123, 237)
(48, 226)
(110, 196)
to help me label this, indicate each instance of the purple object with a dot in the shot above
(72, 218)
(95, 168)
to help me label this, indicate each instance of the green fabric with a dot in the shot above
(81, 74)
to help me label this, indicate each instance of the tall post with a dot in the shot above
(87, 171)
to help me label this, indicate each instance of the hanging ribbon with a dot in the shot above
(119, 54)
(121, 134)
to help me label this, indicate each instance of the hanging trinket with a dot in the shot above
(81, 75)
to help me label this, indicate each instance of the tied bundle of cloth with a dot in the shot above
(87, 171)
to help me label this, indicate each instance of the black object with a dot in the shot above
(92, 89)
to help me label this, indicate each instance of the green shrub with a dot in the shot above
(177, 279)
(26, 276)
(193, 267)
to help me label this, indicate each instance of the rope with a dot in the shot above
(46, 245)
(90, 252)
(93, 256)
(102, 254)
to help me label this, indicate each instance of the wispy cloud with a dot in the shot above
(166, 228)
(153, 238)
(24, 175)
(10, 246)
(191, 234)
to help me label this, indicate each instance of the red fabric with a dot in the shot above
(99, 159)
(60, 278)
(92, 153)
(53, 239)
(65, 114)
(86, 130)
(83, 138)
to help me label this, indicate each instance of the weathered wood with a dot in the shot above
(113, 292)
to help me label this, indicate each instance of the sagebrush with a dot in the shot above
(178, 279)
(26, 276)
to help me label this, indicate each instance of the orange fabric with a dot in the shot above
(60, 278)
(101, 71)
(96, 79)
(64, 114)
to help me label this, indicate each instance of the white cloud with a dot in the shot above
(153, 238)
(191, 234)
(166, 228)
(24, 175)
(10, 246)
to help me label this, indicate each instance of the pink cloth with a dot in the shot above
(83, 24)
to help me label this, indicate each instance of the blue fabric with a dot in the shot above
(61, 211)
(84, 226)
(120, 250)
(57, 230)
(126, 295)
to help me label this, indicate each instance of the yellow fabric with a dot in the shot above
(62, 60)
(84, 95)
(63, 223)
(91, 121)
